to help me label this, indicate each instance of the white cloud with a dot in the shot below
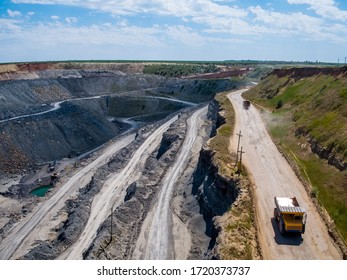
(60, 33)
(122, 23)
(71, 20)
(185, 35)
(298, 24)
(8, 25)
(13, 13)
(177, 8)
(198, 23)
(324, 8)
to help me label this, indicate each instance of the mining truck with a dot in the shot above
(291, 217)
(246, 104)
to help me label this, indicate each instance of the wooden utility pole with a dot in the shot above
(238, 145)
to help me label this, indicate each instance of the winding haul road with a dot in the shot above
(57, 105)
(23, 234)
(38, 223)
(113, 192)
(155, 242)
(273, 176)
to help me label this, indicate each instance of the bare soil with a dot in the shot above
(273, 176)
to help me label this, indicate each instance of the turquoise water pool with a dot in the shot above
(41, 191)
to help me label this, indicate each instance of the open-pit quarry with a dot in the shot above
(106, 164)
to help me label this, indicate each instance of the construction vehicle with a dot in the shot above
(246, 104)
(291, 217)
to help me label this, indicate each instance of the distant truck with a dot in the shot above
(246, 104)
(291, 217)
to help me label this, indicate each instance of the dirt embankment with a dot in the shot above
(233, 219)
(128, 218)
(304, 72)
(36, 70)
(46, 119)
(77, 210)
(316, 100)
(221, 75)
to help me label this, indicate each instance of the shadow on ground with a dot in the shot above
(294, 239)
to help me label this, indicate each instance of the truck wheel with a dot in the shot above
(275, 214)
(303, 228)
(281, 226)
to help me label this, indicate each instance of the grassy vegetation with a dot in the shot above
(238, 238)
(239, 232)
(313, 107)
(176, 70)
(220, 143)
(225, 62)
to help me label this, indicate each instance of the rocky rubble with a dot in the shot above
(128, 218)
(78, 209)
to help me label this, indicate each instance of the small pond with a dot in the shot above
(41, 191)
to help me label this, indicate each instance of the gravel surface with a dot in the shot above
(273, 176)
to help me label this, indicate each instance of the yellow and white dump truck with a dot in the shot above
(291, 217)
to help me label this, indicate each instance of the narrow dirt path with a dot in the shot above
(113, 192)
(57, 105)
(156, 238)
(38, 222)
(273, 176)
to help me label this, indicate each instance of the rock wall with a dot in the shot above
(303, 72)
(215, 194)
(323, 152)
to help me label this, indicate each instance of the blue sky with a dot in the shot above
(291, 30)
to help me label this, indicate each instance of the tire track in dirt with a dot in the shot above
(155, 240)
(273, 176)
(113, 192)
(23, 233)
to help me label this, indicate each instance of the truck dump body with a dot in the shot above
(288, 205)
(290, 215)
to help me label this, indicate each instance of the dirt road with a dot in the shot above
(156, 238)
(273, 176)
(113, 192)
(57, 105)
(38, 222)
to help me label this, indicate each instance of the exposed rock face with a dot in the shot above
(169, 137)
(78, 210)
(214, 193)
(131, 190)
(31, 96)
(323, 152)
(74, 121)
(82, 122)
(326, 153)
(129, 216)
(303, 72)
(42, 70)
